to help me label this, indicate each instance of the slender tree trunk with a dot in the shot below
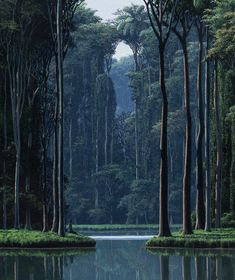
(200, 206)
(137, 164)
(137, 150)
(186, 268)
(208, 268)
(70, 151)
(207, 142)
(55, 177)
(187, 225)
(232, 174)
(97, 161)
(27, 180)
(218, 268)
(218, 185)
(164, 229)
(16, 268)
(17, 182)
(44, 183)
(45, 268)
(61, 119)
(16, 64)
(4, 204)
(199, 268)
(111, 145)
(106, 124)
(15, 100)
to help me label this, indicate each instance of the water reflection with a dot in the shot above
(117, 260)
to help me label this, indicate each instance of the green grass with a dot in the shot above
(118, 227)
(37, 239)
(224, 238)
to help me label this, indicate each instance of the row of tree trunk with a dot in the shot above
(180, 22)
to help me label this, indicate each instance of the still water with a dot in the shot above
(119, 259)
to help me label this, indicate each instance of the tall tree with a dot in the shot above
(18, 44)
(61, 117)
(161, 12)
(220, 21)
(207, 138)
(60, 15)
(184, 17)
(5, 140)
(131, 22)
(200, 134)
(218, 184)
(200, 6)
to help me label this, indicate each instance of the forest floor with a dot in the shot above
(103, 227)
(47, 240)
(218, 238)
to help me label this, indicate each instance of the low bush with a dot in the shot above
(228, 221)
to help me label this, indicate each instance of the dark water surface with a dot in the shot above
(117, 260)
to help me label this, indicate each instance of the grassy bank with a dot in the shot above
(224, 238)
(37, 239)
(119, 227)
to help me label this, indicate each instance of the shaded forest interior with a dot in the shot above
(84, 135)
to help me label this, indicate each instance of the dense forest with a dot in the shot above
(89, 139)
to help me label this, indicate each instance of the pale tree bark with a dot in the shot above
(45, 267)
(186, 24)
(200, 206)
(111, 143)
(15, 68)
(187, 225)
(44, 157)
(5, 140)
(70, 151)
(135, 50)
(106, 128)
(218, 184)
(31, 98)
(97, 161)
(208, 268)
(106, 123)
(17, 53)
(44, 184)
(16, 268)
(137, 105)
(55, 175)
(137, 163)
(60, 22)
(60, 78)
(207, 140)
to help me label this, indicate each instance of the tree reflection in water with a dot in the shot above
(115, 261)
(186, 268)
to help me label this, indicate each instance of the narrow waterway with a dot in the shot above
(118, 256)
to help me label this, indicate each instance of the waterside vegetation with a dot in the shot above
(218, 239)
(36, 239)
